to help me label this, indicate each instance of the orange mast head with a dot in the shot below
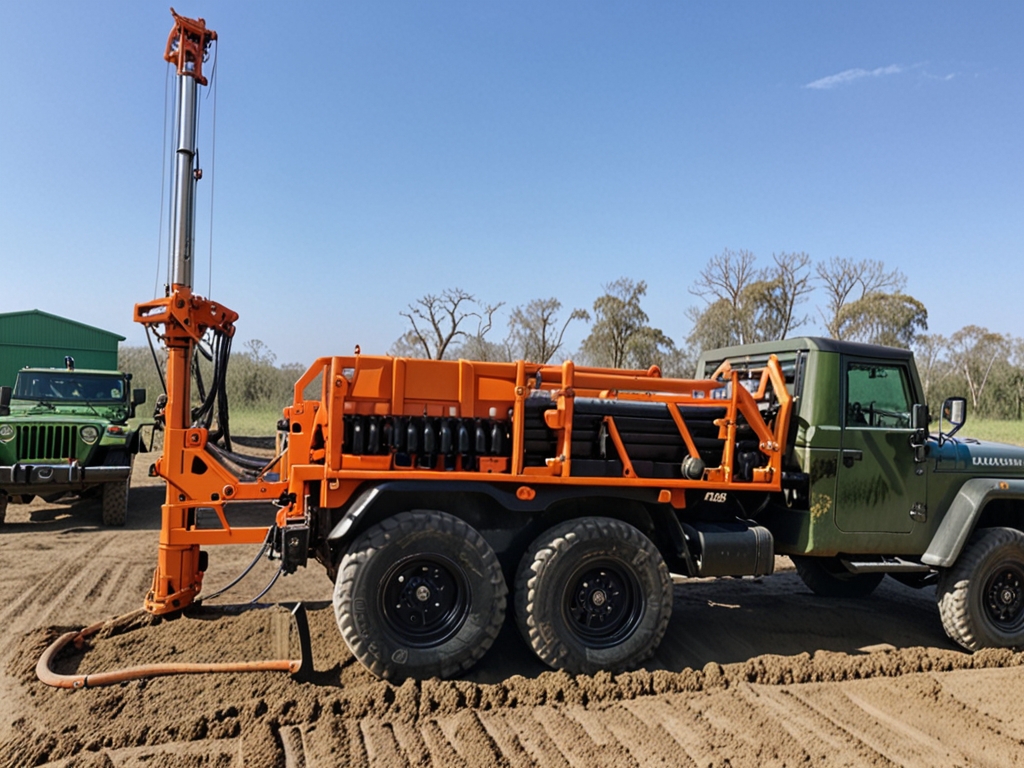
(187, 45)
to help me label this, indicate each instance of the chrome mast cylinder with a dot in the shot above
(183, 221)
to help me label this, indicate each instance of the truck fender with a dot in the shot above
(507, 497)
(962, 516)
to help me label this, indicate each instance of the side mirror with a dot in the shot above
(138, 398)
(5, 401)
(954, 410)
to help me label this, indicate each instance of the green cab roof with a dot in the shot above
(68, 370)
(801, 343)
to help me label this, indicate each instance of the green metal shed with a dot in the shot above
(39, 339)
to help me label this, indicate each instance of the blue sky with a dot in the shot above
(369, 153)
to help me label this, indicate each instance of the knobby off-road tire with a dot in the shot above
(981, 597)
(419, 595)
(3, 507)
(593, 594)
(115, 502)
(827, 577)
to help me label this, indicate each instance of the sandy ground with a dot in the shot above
(752, 672)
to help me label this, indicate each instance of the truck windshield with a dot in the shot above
(68, 386)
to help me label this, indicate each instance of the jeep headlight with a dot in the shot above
(89, 435)
(7, 433)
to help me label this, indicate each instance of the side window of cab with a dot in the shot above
(877, 395)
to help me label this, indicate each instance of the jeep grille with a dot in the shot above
(50, 441)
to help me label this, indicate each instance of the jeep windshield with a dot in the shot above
(68, 386)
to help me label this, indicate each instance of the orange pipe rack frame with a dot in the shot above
(363, 385)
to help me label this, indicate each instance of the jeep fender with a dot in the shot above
(958, 524)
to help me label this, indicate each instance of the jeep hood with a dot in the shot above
(66, 413)
(981, 457)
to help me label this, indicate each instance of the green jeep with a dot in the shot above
(870, 489)
(69, 431)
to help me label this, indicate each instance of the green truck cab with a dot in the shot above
(870, 489)
(69, 431)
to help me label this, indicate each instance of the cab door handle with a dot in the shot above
(850, 456)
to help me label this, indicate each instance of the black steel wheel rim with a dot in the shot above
(1004, 597)
(602, 603)
(425, 600)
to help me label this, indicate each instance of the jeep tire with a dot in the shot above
(981, 597)
(115, 502)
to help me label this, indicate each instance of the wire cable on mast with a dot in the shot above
(163, 185)
(213, 167)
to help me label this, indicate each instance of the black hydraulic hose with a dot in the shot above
(271, 532)
(253, 463)
(215, 399)
(273, 581)
(156, 361)
(222, 392)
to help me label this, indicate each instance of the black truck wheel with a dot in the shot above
(419, 595)
(115, 502)
(827, 577)
(593, 594)
(981, 597)
(3, 506)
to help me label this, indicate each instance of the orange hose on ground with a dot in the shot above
(48, 676)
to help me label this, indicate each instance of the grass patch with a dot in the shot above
(993, 429)
(261, 422)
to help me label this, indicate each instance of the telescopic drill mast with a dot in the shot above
(185, 318)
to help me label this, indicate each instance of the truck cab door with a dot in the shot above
(878, 480)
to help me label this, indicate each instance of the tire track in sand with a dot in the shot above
(61, 593)
(821, 736)
(914, 721)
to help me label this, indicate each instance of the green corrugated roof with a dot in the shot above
(38, 338)
(30, 327)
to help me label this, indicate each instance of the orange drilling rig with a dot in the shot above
(430, 489)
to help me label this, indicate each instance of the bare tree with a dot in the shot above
(929, 353)
(748, 305)
(975, 350)
(847, 281)
(790, 279)
(436, 322)
(724, 281)
(476, 345)
(534, 332)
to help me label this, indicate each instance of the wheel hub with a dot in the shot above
(425, 600)
(1004, 597)
(603, 604)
